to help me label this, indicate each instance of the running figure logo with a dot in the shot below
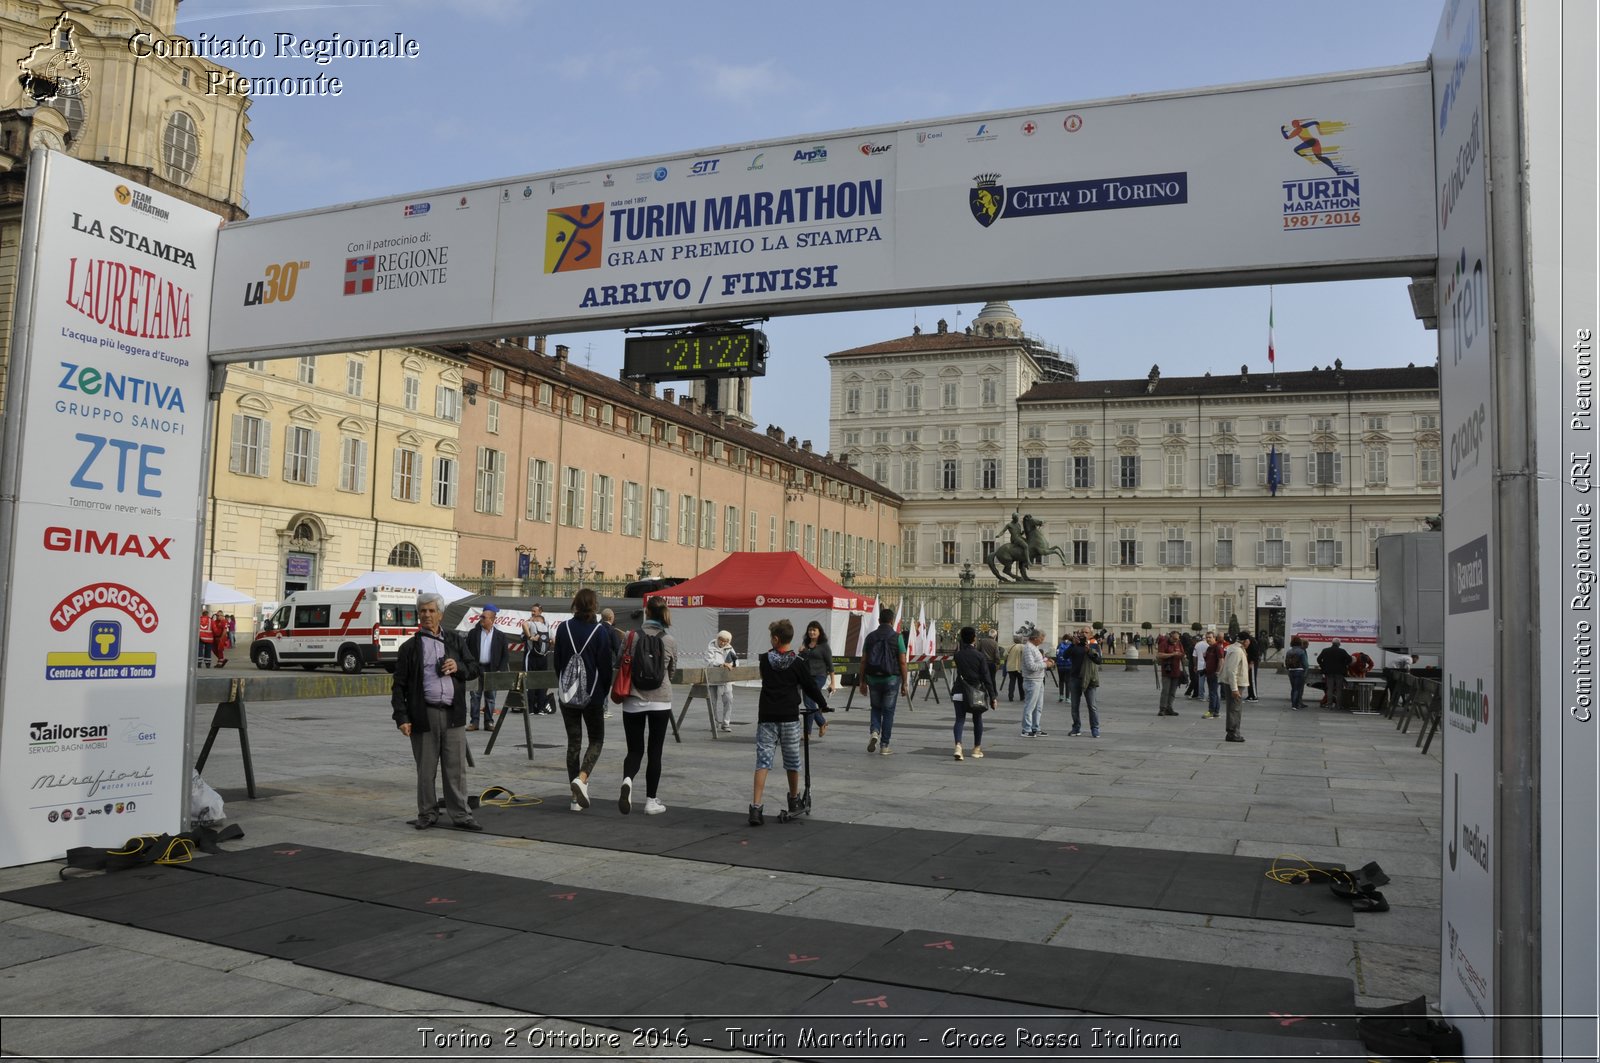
(1309, 132)
(573, 238)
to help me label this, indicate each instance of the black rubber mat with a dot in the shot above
(717, 934)
(617, 981)
(176, 897)
(67, 894)
(817, 947)
(249, 912)
(352, 922)
(618, 958)
(1084, 873)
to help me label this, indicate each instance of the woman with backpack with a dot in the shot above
(583, 671)
(647, 710)
(818, 655)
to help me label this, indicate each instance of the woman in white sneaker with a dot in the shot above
(974, 678)
(648, 711)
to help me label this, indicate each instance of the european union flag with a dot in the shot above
(1274, 471)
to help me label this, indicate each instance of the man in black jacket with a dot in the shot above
(488, 646)
(429, 699)
(1335, 664)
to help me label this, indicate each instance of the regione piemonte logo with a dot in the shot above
(360, 274)
(573, 238)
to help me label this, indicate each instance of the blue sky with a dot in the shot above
(504, 88)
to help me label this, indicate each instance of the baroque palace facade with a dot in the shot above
(1160, 490)
(145, 116)
(467, 457)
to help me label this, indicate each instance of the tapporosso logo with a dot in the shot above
(990, 201)
(1331, 199)
(104, 657)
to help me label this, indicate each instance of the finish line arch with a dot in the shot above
(1365, 174)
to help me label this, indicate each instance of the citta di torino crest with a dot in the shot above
(987, 199)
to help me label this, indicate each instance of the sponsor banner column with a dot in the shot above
(1467, 968)
(99, 638)
(1559, 130)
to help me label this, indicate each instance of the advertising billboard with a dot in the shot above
(1304, 179)
(1463, 280)
(109, 387)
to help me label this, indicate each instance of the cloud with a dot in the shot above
(743, 84)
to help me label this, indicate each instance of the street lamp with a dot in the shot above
(647, 566)
(847, 573)
(967, 576)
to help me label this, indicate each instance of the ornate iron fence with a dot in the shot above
(948, 606)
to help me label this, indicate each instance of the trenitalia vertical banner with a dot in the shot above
(111, 392)
(1463, 280)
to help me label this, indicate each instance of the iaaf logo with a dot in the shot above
(875, 149)
(115, 544)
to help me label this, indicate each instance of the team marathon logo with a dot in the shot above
(1329, 197)
(990, 201)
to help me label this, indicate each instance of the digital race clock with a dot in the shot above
(696, 355)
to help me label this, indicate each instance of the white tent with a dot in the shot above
(222, 594)
(412, 579)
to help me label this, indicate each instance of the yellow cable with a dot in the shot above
(510, 800)
(1295, 876)
(186, 848)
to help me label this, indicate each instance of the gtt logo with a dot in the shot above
(704, 167)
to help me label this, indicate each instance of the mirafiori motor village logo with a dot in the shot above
(1329, 195)
(574, 238)
(989, 201)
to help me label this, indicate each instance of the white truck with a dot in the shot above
(1321, 610)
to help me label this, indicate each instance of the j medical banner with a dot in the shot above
(99, 640)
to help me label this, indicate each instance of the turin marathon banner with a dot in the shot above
(109, 385)
(1305, 180)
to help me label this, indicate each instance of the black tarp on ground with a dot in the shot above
(1085, 873)
(836, 975)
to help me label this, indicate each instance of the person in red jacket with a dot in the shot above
(207, 639)
(221, 638)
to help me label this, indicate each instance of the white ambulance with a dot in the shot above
(354, 629)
